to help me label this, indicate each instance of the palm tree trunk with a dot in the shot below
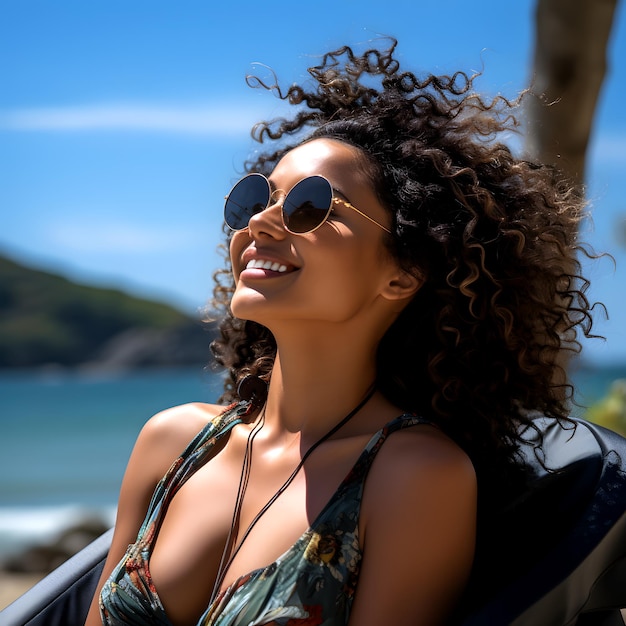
(568, 71)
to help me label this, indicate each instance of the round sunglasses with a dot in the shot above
(304, 209)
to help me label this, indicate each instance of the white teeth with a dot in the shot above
(266, 265)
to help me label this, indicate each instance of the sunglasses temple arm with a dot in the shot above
(367, 217)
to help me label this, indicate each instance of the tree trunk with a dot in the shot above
(568, 70)
(571, 38)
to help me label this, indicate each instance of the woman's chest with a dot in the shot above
(203, 514)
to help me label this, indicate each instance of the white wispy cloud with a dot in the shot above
(208, 120)
(113, 236)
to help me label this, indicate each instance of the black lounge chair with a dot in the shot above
(554, 556)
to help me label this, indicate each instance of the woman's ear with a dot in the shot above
(402, 286)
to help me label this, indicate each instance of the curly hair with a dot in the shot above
(494, 238)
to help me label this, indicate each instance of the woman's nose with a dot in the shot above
(269, 221)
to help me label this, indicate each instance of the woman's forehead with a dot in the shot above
(330, 158)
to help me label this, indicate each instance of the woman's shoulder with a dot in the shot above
(179, 424)
(424, 462)
(422, 443)
(181, 421)
(166, 434)
(417, 525)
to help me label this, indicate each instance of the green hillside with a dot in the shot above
(45, 318)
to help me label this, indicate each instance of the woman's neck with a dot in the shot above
(316, 381)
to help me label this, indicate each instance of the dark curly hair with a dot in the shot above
(493, 236)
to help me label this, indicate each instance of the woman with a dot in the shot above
(400, 292)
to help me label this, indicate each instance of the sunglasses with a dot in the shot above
(305, 208)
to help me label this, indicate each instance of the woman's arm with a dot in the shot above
(160, 442)
(419, 524)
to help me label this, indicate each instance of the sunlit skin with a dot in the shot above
(328, 311)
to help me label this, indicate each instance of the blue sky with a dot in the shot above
(124, 123)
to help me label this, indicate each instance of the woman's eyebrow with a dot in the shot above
(273, 188)
(337, 193)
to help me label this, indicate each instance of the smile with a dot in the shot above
(260, 264)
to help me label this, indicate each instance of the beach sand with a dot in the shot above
(12, 586)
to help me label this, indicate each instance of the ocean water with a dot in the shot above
(65, 438)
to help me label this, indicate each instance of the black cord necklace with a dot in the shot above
(229, 548)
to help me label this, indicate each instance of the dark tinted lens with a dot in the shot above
(307, 204)
(249, 196)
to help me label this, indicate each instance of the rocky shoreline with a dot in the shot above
(19, 572)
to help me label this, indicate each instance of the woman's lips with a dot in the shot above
(266, 268)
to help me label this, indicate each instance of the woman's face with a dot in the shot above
(329, 275)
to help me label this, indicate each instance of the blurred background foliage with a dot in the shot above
(610, 411)
(46, 319)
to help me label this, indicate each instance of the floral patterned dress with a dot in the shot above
(312, 583)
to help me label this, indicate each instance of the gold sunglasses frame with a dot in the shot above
(334, 200)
